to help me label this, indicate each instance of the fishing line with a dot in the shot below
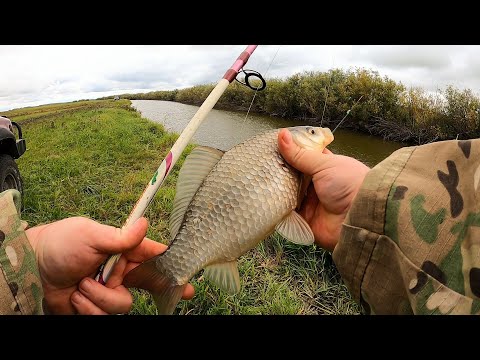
(257, 89)
(348, 112)
(326, 97)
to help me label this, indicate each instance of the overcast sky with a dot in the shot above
(40, 74)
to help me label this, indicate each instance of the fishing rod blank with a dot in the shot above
(175, 152)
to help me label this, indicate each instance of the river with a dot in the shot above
(224, 129)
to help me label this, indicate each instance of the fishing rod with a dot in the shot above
(167, 164)
(348, 112)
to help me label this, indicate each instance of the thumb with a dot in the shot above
(112, 240)
(306, 161)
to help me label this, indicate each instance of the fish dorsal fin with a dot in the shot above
(295, 229)
(195, 169)
(225, 276)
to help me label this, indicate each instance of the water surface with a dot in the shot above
(224, 129)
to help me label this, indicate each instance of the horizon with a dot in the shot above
(41, 75)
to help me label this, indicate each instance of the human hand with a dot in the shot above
(69, 253)
(336, 180)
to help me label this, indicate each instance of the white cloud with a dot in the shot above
(33, 75)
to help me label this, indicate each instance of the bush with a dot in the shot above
(386, 108)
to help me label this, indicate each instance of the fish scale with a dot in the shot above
(225, 204)
(237, 214)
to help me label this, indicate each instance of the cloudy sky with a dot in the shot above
(41, 74)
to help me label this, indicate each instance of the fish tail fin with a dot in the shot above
(166, 293)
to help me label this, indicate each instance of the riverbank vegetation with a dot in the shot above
(379, 105)
(94, 159)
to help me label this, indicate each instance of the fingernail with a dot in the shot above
(77, 297)
(86, 285)
(287, 137)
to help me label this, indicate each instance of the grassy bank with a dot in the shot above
(94, 158)
(387, 108)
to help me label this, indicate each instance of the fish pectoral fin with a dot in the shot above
(305, 181)
(195, 169)
(295, 229)
(225, 276)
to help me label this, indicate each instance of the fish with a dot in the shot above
(225, 204)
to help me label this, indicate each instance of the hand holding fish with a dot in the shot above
(336, 180)
(68, 254)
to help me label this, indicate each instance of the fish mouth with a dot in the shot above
(311, 138)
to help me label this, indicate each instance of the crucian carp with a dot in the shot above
(226, 203)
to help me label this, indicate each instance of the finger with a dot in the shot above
(112, 240)
(307, 161)
(116, 276)
(113, 301)
(59, 304)
(327, 229)
(85, 306)
(130, 266)
(309, 205)
(130, 259)
(146, 250)
(188, 292)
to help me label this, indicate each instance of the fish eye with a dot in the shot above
(311, 131)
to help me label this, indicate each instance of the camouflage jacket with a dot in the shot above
(20, 287)
(411, 240)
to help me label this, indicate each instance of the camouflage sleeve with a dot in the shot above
(411, 241)
(20, 287)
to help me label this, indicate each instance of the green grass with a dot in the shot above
(94, 158)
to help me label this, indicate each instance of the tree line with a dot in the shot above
(378, 105)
